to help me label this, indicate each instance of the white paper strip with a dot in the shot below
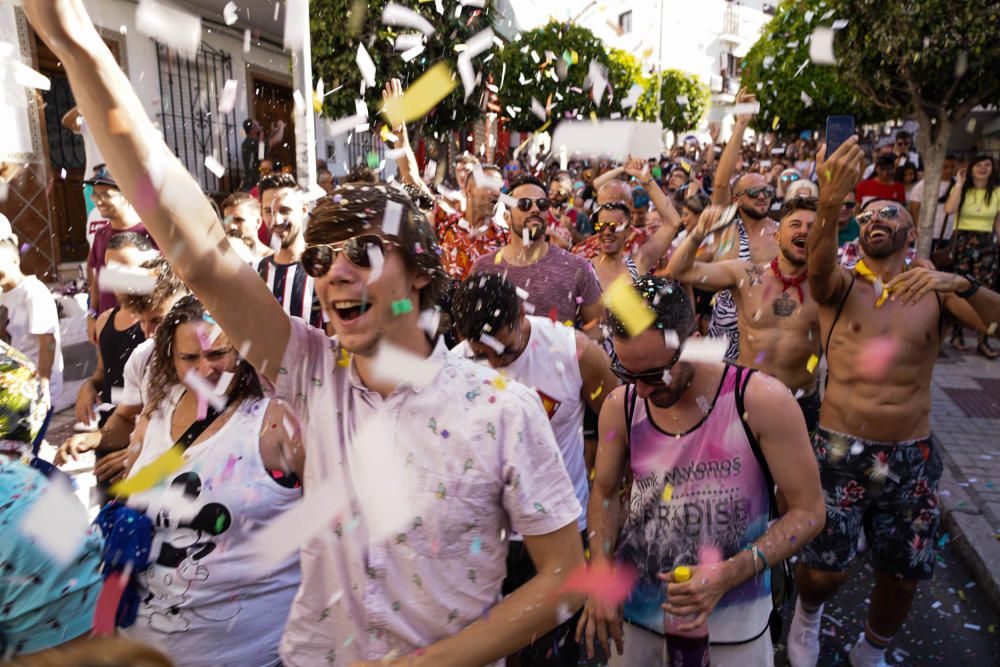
(177, 29)
(397, 15)
(366, 65)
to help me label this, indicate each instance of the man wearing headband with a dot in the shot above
(49, 593)
(478, 451)
(778, 320)
(705, 442)
(881, 325)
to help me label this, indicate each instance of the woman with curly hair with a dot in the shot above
(242, 462)
(976, 199)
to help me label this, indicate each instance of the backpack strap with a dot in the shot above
(742, 379)
(630, 398)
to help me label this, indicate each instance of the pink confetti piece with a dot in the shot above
(601, 581)
(108, 599)
(227, 471)
(876, 358)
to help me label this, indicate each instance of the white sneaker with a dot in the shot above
(803, 639)
(856, 658)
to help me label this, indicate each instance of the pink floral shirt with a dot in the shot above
(484, 462)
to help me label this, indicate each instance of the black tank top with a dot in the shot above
(116, 347)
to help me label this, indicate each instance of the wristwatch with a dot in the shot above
(973, 287)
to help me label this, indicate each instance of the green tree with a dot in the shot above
(683, 100)
(624, 71)
(551, 64)
(789, 87)
(339, 26)
(936, 59)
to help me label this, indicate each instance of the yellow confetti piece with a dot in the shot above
(345, 358)
(668, 493)
(592, 475)
(597, 392)
(593, 116)
(150, 475)
(647, 54)
(433, 86)
(498, 257)
(317, 103)
(626, 304)
(575, 56)
(568, 323)
(991, 329)
(499, 382)
(811, 364)
(384, 133)
(774, 125)
(961, 595)
(586, 554)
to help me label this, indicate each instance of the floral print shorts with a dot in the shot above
(889, 489)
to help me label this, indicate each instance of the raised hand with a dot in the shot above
(637, 168)
(393, 90)
(839, 173)
(744, 97)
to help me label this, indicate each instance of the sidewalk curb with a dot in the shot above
(970, 532)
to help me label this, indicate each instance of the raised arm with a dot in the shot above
(658, 244)
(837, 176)
(730, 154)
(172, 206)
(711, 276)
(955, 196)
(409, 172)
(607, 177)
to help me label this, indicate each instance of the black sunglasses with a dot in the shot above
(652, 377)
(543, 203)
(756, 192)
(884, 213)
(849, 205)
(317, 259)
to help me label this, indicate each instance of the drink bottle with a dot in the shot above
(685, 648)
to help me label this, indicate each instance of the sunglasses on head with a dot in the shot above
(652, 377)
(884, 213)
(524, 203)
(790, 177)
(317, 259)
(753, 193)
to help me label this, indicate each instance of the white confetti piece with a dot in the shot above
(840, 24)
(126, 280)
(407, 41)
(821, 47)
(682, 100)
(616, 139)
(335, 128)
(704, 350)
(598, 81)
(492, 343)
(538, 109)
(204, 390)
(429, 321)
(214, 166)
(227, 100)
(229, 13)
(56, 521)
(521, 293)
(397, 15)
(177, 29)
(296, 23)
(391, 218)
(410, 54)
(806, 100)
(293, 528)
(376, 260)
(246, 40)
(671, 339)
(395, 365)
(366, 65)
(746, 109)
(467, 74)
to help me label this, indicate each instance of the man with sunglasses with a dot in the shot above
(559, 284)
(705, 443)
(481, 457)
(880, 469)
(778, 320)
(568, 371)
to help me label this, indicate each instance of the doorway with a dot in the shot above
(272, 101)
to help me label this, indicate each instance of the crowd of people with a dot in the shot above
(488, 418)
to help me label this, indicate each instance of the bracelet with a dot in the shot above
(973, 287)
(756, 550)
(753, 554)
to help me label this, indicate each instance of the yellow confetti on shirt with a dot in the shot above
(811, 364)
(626, 304)
(668, 493)
(433, 86)
(345, 358)
(150, 475)
(499, 382)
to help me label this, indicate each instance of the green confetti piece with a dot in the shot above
(402, 307)
(374, 160)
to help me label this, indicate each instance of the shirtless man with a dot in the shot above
(878, 466)
(778, 319)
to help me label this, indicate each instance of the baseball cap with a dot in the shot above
(102, 177)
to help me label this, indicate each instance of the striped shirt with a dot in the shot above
(293, 289)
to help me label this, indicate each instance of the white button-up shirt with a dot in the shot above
(482, 459)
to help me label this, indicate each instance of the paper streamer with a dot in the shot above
(227, 100)
(615, 139)
(366, 65)
(177, 29)
(126, 280)
(704, 350)
(229, 13)
(432, 87)
(403, 17)
(106, 609)
(626, 304)
(150, 475)
(391, 218)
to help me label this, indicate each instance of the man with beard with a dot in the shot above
(750, 236)
(878, 464)
(778, 320)
(706, 444)
(559, 284)
(282, 271)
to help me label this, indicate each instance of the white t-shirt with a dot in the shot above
(549, 366)
(136, 374)
(917, 196)
(31, 312)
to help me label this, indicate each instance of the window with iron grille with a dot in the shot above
(189, 114)
(625, 21)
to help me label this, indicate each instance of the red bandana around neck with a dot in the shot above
(786, 282)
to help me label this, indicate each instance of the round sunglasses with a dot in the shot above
(884, 213)
(317, 259)
(543, 203)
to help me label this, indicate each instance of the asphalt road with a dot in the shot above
(950, 624)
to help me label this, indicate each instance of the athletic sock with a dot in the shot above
(869, 653)
(809, 613)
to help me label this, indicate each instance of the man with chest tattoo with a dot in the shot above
(778, 320)
(878, 465)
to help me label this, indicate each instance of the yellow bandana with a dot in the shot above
(867, 274)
